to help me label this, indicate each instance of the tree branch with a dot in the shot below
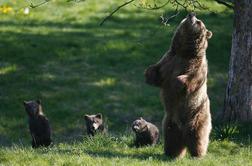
(114, 11)
(225, 3)
(165, 20)
(39, 4)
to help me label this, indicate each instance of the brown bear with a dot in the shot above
(146, 132)
(181, 75)
(38, 124)
(94, 124)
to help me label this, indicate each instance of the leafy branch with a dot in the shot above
(184, 4)
(177, 4)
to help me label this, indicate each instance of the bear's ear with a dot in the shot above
(86, 117)
(38, 101)
(25, 102)
(99, 115)
(209, 34)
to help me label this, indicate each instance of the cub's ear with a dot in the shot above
(86, 117)
(209, 34)
(25, 102)
(99, 115)
(38, 101)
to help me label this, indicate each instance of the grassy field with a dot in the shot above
(60, 54)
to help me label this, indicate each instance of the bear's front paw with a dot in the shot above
(182, 79)
(152, 76)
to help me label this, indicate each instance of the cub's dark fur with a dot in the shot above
(146, 132)
(94, 124)
(38, 124)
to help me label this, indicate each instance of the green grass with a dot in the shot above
(60, 54)
(117, 151)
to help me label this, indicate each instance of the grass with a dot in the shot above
(116, 151)
(60, 54)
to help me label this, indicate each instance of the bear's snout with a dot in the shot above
(192, 17)
(94, 126)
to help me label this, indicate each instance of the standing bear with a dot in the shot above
(39, 126)
(181, 74)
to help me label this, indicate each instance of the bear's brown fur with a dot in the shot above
(181, 75)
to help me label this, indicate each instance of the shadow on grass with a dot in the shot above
(4, 141)
(140, 156)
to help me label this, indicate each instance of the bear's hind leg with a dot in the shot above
(46, 142)
(174, 145)
(197, 136)
(197, 141)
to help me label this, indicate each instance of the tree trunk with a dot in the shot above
(238, 99)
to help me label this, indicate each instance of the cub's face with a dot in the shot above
(32, 107)
(191, 34)
(139, 125)
(93, 122)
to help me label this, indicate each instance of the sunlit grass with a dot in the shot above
(105, 82)
(108, 150)
(6, 69)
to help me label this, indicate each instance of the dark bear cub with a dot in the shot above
(38, 124)
(146, 132)
(94, 124)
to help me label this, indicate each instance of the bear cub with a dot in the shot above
(146, 132)
(94, 124)
(38, 124)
